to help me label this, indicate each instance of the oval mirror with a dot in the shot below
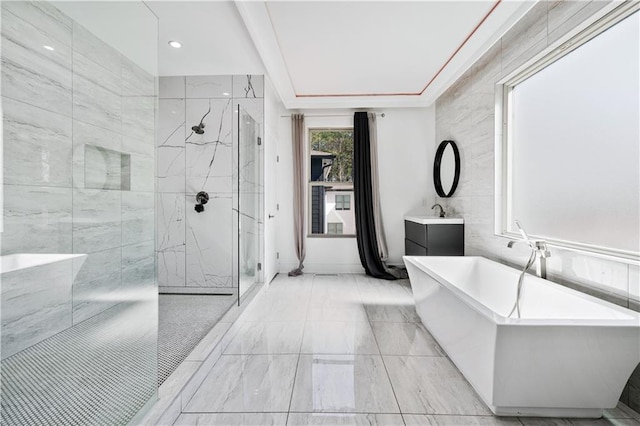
(446, 169)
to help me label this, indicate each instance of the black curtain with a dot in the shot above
(365, 228)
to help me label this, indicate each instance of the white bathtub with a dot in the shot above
(569, 355)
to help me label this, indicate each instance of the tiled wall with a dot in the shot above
(465, 114)
(60, 108)
(197, 252)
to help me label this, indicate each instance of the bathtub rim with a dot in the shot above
(499, 319)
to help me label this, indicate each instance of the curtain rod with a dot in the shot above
(381, 114)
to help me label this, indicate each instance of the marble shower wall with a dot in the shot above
(465, 113)
(79, 157)
(196, 252)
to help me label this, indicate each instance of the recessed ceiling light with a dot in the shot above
(225, 94)
(175, 44)
(48, 47)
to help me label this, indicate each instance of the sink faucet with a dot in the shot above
(538, 246)
(441, 209)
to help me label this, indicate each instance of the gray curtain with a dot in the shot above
(375, 188)
(297, 135)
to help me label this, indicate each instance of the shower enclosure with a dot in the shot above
(209, 204)
(78, 292)
(250, 201)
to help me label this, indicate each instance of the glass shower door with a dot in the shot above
(249, 201)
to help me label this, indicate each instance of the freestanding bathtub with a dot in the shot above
(569, 355)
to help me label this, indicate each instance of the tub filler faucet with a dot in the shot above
(539, 250)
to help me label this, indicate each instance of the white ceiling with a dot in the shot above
(213, 36)
(333, 54)
(369, 47)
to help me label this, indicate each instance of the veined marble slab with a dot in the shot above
(98, 283)
(171, 220)
(172, 87)
(208, 239)
(97, 220)
(41, 212)
(87, 44)
(30, 73)
(138, 265)
(171, 266)
(138, 217)
(135, 80)
(209, 86)
(96, 105)
(209, 155)
(248, 86)
(43, 16)
(37, 146)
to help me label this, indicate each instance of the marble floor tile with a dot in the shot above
(277, 307)
(336, 337)
(353, 312)
(405, 338)
(343, 419)
(342, 383)
(432, 385)
(225, 419)
(420, 420)
(246, 383)
(392, 313)
(267, 338)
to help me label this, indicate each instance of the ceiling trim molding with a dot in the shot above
(502, 16)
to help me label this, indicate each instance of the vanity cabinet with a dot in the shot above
(429, 236)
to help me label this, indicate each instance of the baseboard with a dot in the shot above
(324, 268)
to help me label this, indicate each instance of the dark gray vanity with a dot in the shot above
(433, 236)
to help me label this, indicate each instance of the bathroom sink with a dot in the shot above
(424, 219)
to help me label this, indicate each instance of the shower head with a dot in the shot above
(199, 129)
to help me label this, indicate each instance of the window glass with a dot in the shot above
(331, 182)
(573, 148)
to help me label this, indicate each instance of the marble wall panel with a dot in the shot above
(172, 87)
(137, 217)
(138, 267)
(97, 284)
(37, 219)
(36, 140)
(208, 242)
(248, 86)
(97, 221)
(31, 73)
(209, 156)
(209, 86)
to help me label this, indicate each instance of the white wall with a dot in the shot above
(273, 109)
(405, 149)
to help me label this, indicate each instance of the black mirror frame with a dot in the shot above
(436, 169)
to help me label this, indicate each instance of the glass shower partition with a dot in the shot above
(79, 294)
(250, 199)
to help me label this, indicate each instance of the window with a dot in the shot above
(343, 202)
(331, 182)
(334, 228)
(570, 169)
